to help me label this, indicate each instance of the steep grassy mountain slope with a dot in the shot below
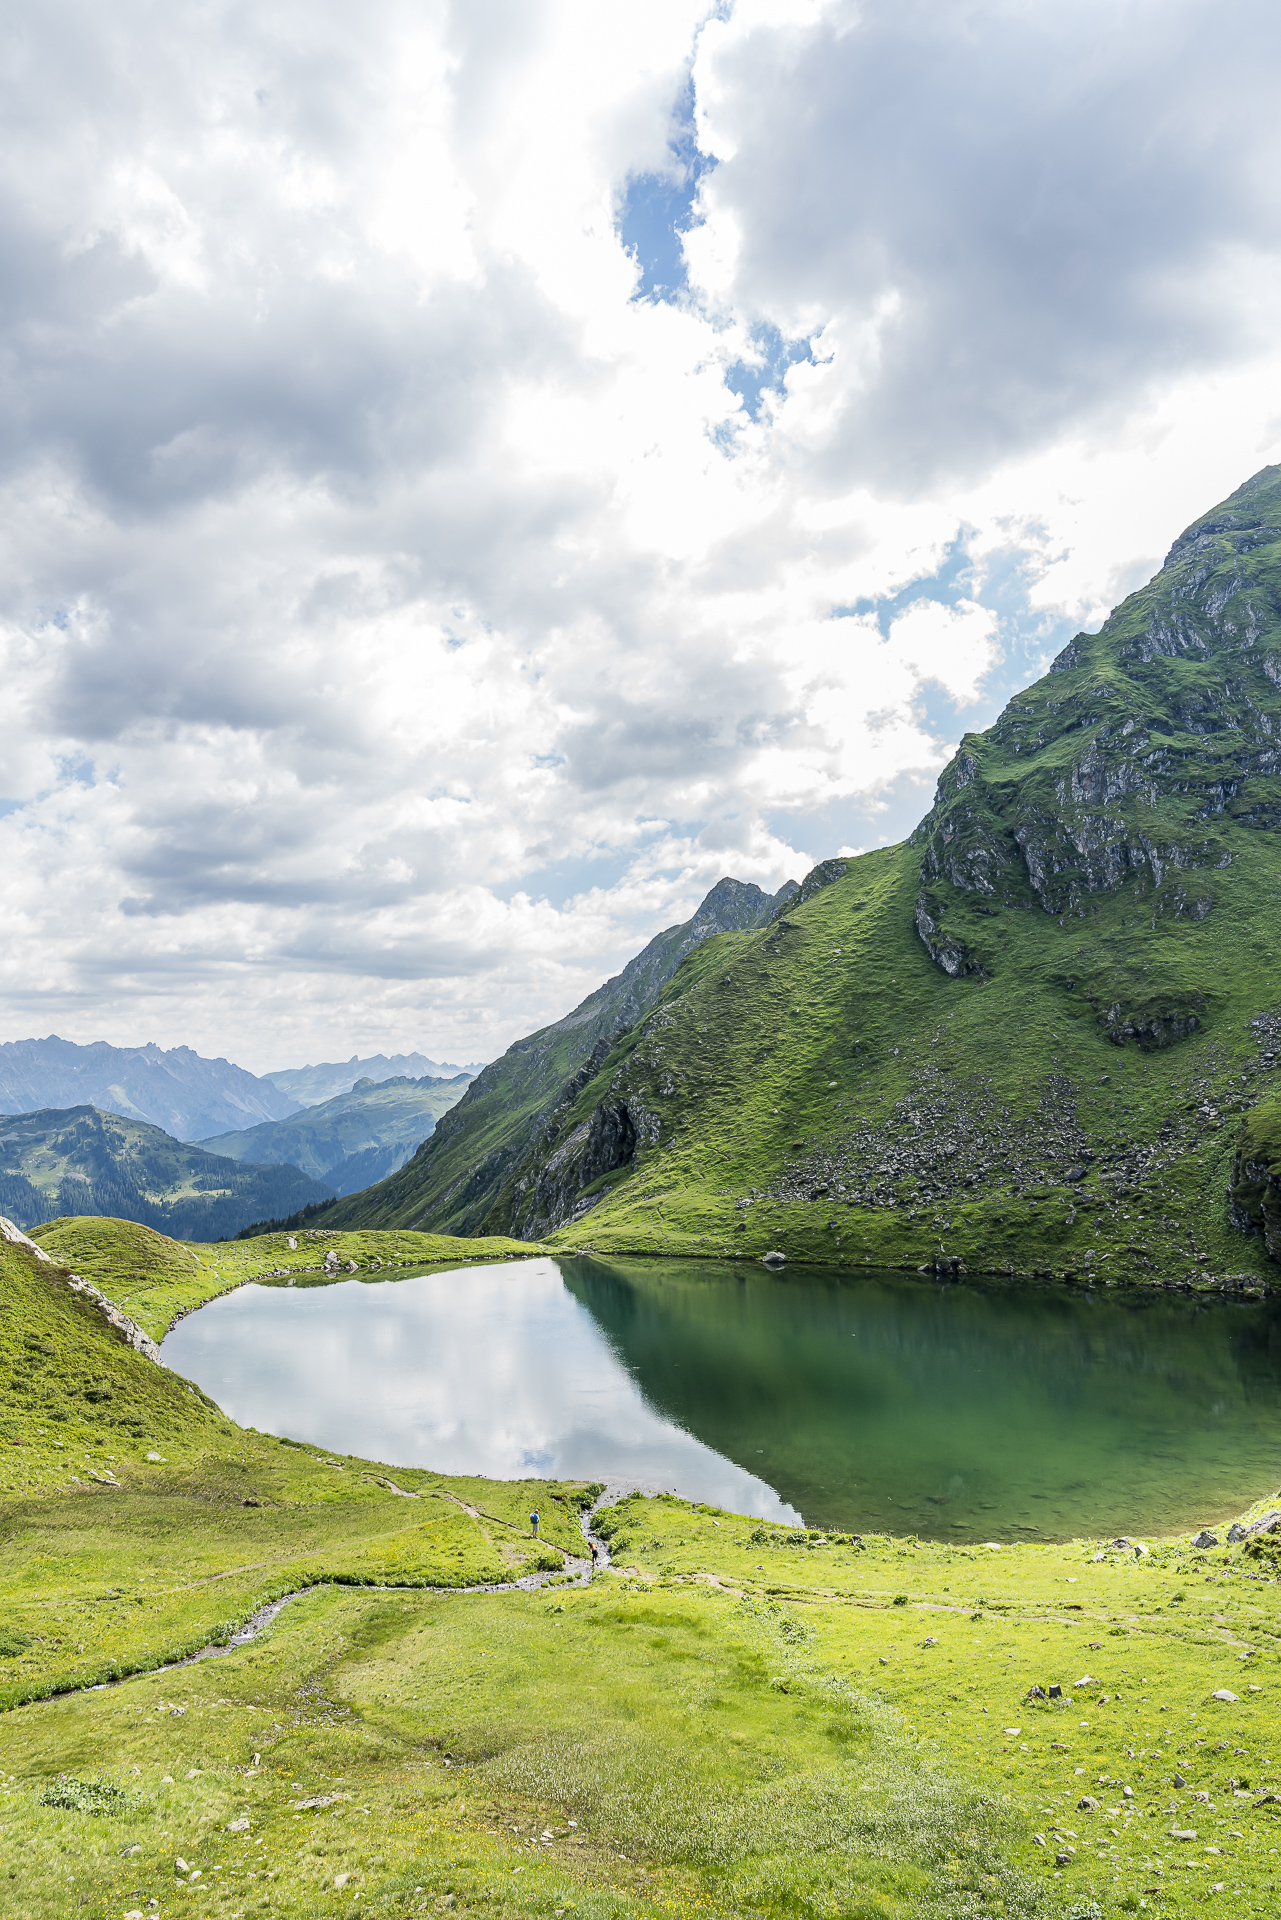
(453, 1180)
(309, 1086)
(1021, 1040)
(175, 1088)
(83, 1161)
(354, 1139)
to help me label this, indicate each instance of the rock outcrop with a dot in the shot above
(128, 1330)
(1256, 1176)
(1115, 772)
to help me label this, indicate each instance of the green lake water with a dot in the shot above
(866, 1402)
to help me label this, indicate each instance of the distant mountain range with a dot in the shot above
(460, 1173)
(308, 1086)
(173, 1088)
(178, 1090)
(83, 1161)
(355, 1138)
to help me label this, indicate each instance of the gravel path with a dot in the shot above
(581, 1569)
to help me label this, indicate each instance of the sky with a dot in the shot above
(473, 474)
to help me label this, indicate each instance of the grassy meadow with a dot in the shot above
(735, 1718)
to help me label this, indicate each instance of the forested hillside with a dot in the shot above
(84, 1162)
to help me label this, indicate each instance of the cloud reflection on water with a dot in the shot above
(496, 1371)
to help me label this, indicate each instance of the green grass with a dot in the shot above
(155, 1280)
(722, 1726)
(680, 1752)
(1159, 1636)
(797, 1060)
(739, 1719)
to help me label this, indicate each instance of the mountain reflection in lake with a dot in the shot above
(873, 1401)
(888, 1401)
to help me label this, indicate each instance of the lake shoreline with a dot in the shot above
(887, 1402)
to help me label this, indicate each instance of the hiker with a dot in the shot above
(533, 1521)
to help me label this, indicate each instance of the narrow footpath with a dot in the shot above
(580, 1570)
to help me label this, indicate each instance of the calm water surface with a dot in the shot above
(870, 1401)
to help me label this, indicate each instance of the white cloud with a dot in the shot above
(954, 646)
(1007, 220)
(400, 620)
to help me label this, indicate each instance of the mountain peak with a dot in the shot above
(176, 1089)
(1243, 512)
(1118, 773)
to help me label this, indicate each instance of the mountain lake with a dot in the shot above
(877, 1402)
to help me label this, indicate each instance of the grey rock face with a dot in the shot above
(1268, 1524)
(553, 1191)
(130, 1332)
(1205, 1539)
(1254, 1198)
(941, 947)
(17, 1238)
(1112, 772)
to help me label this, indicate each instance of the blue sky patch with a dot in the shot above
(658, 208)
(751, 379)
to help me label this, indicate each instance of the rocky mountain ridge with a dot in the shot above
(313, 1086)
(173, 1088)
(1118, 771)
(1023, 1040)
(455, 1180)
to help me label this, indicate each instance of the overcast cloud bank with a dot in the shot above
(412, 598)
